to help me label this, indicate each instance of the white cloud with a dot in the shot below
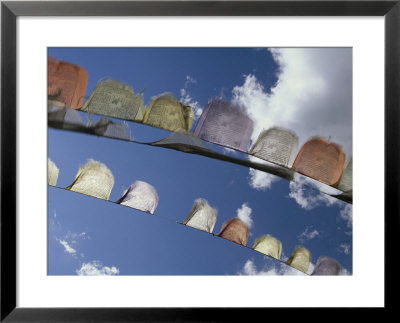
(190, 79)
(312, 96)
(67, 247)
(308, 234)
(345, 248)
(344, 272)
(260, 180)
(249, 268)
(347, 214)
(187, 98)
(280, 269)
(198, 110)
(283, 256)
(72, 239)
(76, 236)
(229, 151)
(244, 214)
(312, 235)
(307, 193)
(95, 268)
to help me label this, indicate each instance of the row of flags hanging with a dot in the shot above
(68, 119)
(221, 123)
(96, 180)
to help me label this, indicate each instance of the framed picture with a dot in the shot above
(36, 283)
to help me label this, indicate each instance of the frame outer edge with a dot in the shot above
(203, 8)
(392, 146)
(8, 161)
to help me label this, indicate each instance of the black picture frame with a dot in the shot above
(10, 10)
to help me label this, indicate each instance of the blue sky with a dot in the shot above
(306, 90)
